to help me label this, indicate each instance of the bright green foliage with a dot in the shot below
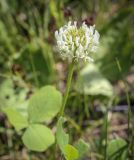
(91, 82)
(82, 147)
(16, 118)
(44, 104)
(117, 149)
(38, 137)
(61, 136)
(71, 153)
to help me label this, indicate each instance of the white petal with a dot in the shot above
(56, 34)
(77, 41)
(89, 59)
(96, 37)
(69, 23)
(70, 39)
(75, 23)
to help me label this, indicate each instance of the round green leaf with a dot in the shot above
(38, 137)
(44, 104)
(70, 152)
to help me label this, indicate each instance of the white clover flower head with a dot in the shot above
(77, 42)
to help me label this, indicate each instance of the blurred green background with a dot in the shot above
(29, 60)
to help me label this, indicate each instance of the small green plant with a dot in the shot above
(75, 44)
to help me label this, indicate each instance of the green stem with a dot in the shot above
(69, 79)
(106, 134)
